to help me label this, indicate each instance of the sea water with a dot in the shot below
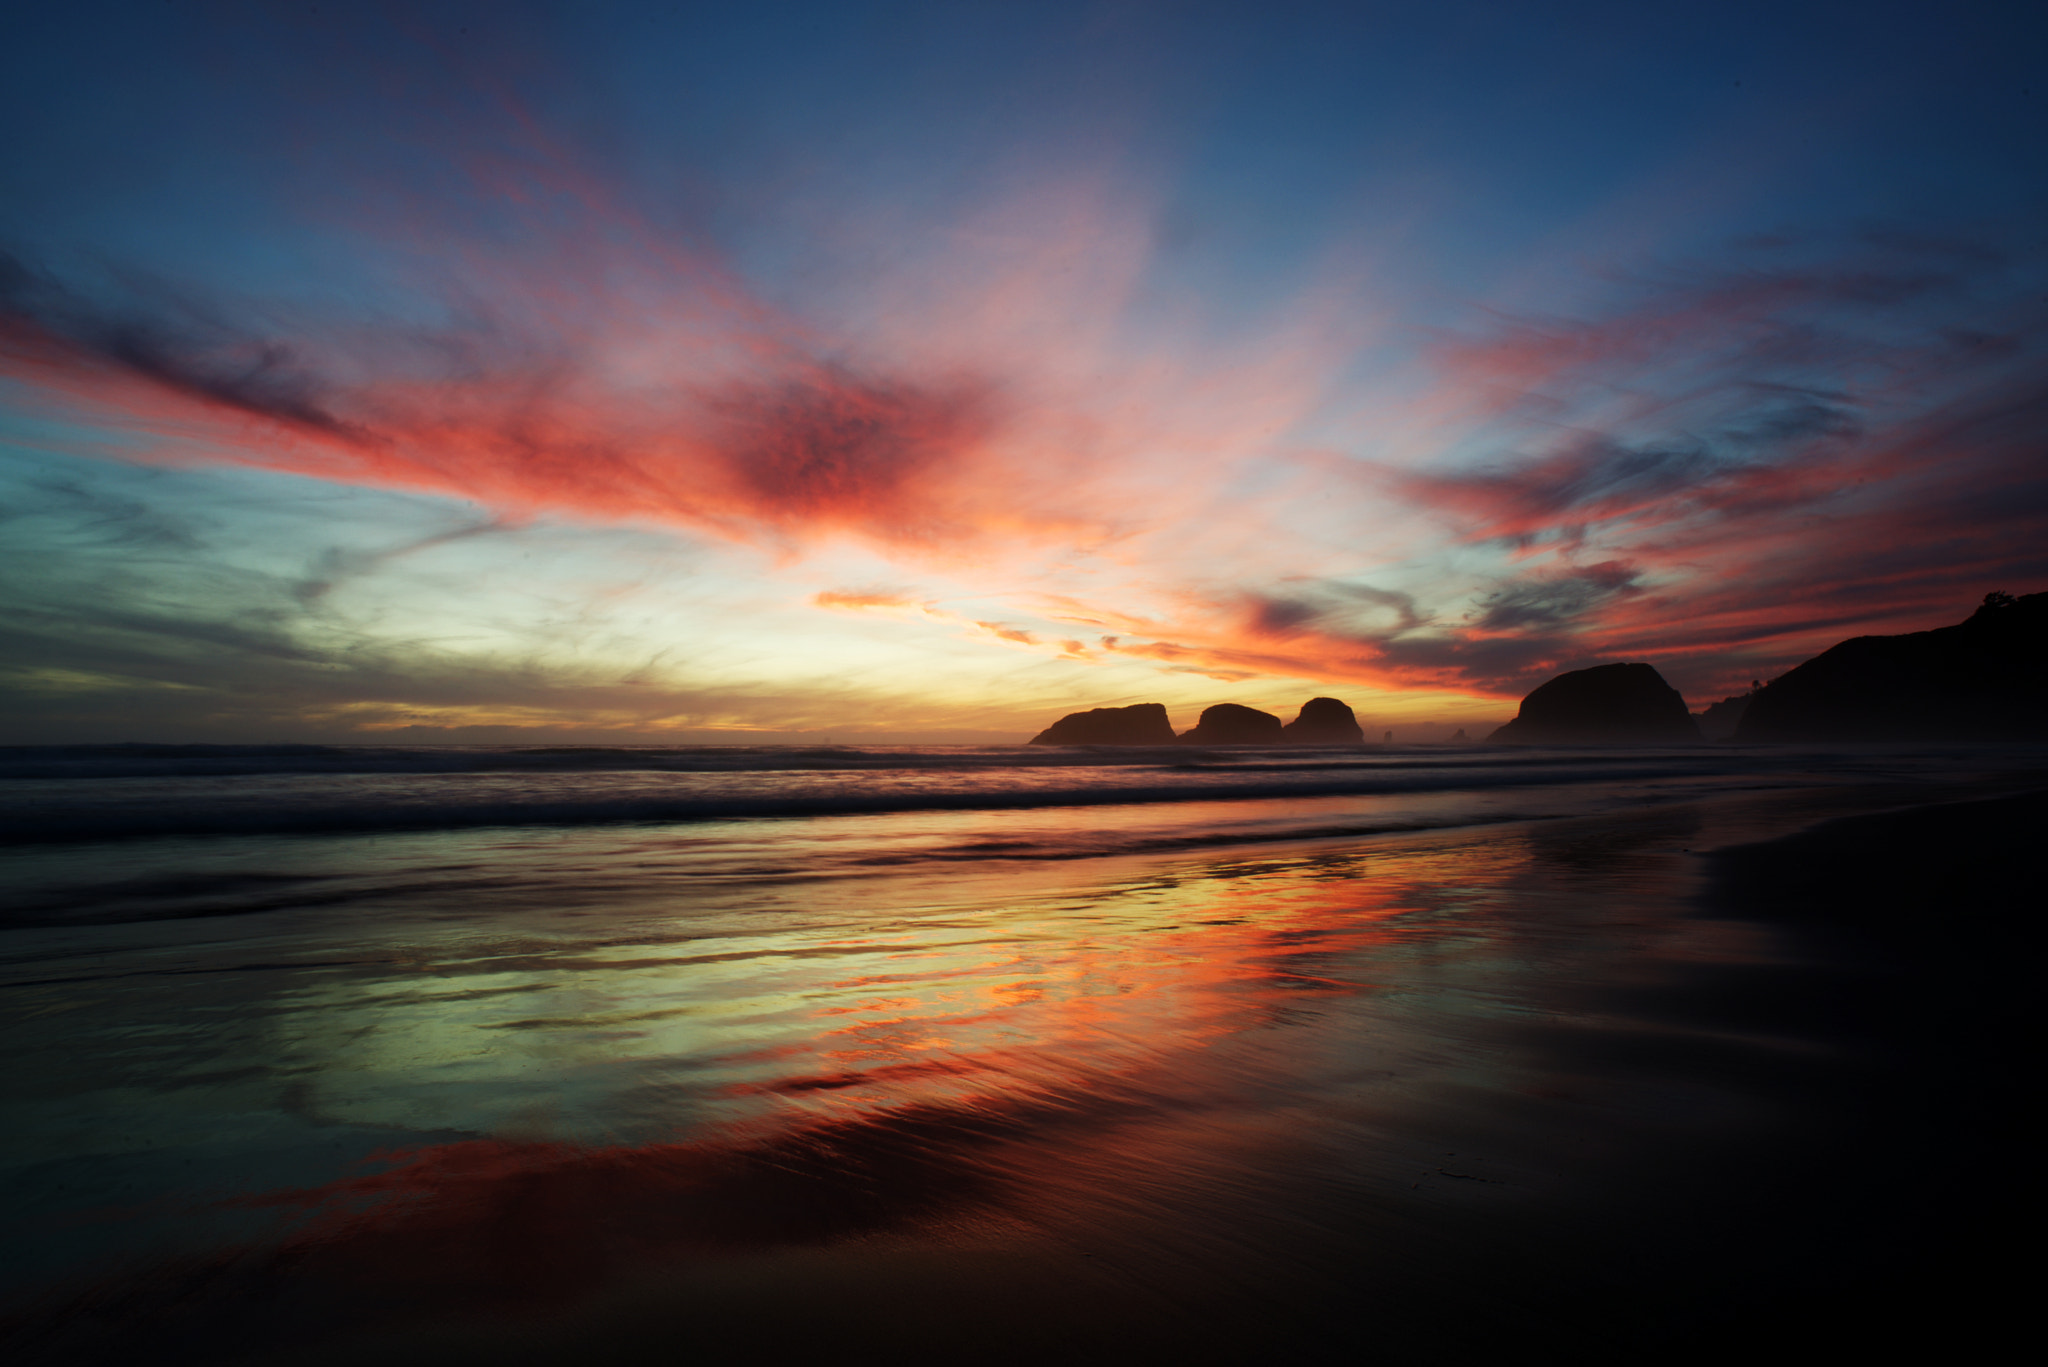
(1184, 1037)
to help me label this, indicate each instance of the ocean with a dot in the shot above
(547, 1054)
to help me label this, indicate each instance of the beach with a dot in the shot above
(1422, 1056)
(954, 684)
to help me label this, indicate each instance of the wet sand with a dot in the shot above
(1924, 927)
(1657, 1106)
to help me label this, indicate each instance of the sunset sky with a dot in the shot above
(675, 372)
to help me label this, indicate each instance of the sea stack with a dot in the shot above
(1227, 723)
(1619, 704)
(1323, 721)
(1982, 679)
(1142, 723)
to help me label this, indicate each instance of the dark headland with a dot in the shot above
(1984, 679)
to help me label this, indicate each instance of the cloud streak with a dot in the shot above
(1014, 398)
(1652, 462)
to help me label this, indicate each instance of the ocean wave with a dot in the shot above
(300, 804)
(199, 761)
(30, 762)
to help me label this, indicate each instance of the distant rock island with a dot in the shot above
(1619, 704)
(1142, 723)
(1323, 721)
(1982, 679)
(1229, 723)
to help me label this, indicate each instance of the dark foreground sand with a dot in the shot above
(1877, 1202)
(1919, 1206)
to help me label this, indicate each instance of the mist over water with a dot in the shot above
(1194, 1072)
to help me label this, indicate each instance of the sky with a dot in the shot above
(638, 373)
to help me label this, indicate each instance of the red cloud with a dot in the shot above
(1723, 479)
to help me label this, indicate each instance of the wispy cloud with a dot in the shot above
(1008, 411)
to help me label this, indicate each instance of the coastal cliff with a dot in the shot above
(1983, 679)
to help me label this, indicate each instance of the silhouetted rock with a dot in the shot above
(1142, 723)
(1227, 723)
(1622, 704)
(1459, 739)
(1719, 721)
(1323, 721)
(1981, 679)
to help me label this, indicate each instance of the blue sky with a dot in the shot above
(650, 372)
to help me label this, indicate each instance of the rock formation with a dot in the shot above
(1720, 719)
(1982, 679)
(1619, 704)
(1142, 723)
(1323, 721)
(1227, 723)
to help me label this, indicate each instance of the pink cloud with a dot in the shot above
(1715, 478)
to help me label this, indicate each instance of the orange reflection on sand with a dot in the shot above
(1154, 975)
(1061, 1057)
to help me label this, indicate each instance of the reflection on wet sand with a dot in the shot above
(1418, 1097)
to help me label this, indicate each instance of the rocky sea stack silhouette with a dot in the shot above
(1229, 723)
(1142, 723)
(1323, 721)
(1619, 704)
(1982, 679)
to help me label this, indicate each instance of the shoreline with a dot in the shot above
(1678, 1144)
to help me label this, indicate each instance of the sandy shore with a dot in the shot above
(1660, 1104)
(1922, 929)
